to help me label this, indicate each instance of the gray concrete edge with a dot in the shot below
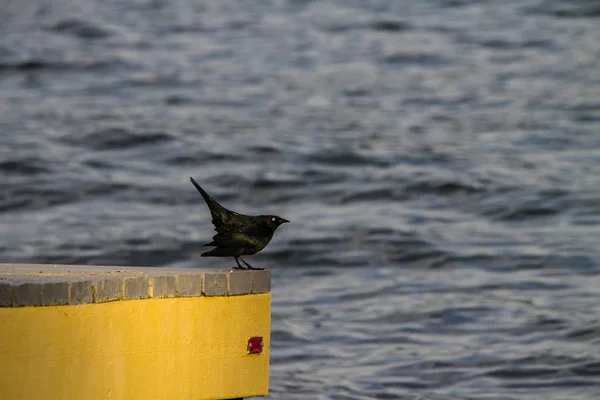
(53, 284)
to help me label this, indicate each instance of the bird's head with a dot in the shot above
(273, 221)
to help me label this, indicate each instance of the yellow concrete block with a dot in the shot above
(157, 348)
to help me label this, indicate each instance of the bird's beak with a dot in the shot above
(283, 221)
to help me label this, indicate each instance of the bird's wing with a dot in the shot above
(231, 240)
(223, 219)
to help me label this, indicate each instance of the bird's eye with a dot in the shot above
(273, 219)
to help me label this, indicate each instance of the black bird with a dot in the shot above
(237, 234)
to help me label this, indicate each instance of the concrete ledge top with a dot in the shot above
(53, 284)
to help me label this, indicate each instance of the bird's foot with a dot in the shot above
(248, 265)
(238, 268)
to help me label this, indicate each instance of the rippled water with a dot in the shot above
(439, 160)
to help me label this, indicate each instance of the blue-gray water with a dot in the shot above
(439, 160)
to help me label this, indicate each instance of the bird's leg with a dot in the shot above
(239, 266)
(248, 265)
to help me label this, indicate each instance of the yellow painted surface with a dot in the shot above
(175, 349)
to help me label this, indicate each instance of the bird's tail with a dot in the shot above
(218, 252)
(212, 204)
